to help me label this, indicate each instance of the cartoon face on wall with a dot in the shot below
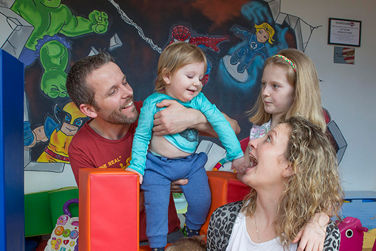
(236, 36)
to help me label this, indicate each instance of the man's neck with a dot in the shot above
(109, 130)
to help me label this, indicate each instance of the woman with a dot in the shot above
(293, 173)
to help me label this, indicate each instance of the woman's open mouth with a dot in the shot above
(252, 161)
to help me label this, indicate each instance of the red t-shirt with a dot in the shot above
(90, 150)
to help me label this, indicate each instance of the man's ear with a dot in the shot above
(166, 76)
(88, 110)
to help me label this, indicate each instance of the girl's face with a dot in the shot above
(185, 83)
(268, 166)
(277, 92)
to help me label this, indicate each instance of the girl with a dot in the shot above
(181, 68)
(289, 87)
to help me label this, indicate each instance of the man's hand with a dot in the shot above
(174, 119)
(312, 236)
(175, 185)
(134, 171)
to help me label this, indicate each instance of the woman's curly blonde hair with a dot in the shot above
(315, 185)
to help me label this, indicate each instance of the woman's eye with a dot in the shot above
(189, 76)
(275, 86)
(268, 139)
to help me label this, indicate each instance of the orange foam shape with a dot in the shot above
(225, 188)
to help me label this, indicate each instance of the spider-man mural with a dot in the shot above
(184, 33)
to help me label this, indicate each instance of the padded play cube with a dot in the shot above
(57, 199)
(225, 188)
(43, 208)
(108, 209)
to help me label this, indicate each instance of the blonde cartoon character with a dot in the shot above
(255, 45)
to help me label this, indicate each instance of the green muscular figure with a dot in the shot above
(50, 17)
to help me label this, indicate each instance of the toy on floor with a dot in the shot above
(65, 234)
(352, 233)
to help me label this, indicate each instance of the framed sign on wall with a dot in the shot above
(344, 32)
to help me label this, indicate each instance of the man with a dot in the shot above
(100, 90)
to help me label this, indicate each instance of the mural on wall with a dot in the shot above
(185, 34)
(60, 132)
(48, 36)
(53, 22)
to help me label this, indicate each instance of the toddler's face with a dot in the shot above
(185, 83)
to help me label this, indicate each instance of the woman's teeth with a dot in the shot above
(252, 161)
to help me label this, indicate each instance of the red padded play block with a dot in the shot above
(108, 210)
(225, 188)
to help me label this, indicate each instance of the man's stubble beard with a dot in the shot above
(116, 117)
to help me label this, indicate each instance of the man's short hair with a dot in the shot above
(76, 84)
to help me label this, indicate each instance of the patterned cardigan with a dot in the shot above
(223, 219)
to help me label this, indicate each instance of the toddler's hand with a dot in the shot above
(239, 165)
(140, 175)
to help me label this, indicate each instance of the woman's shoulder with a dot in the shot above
(220, 226)
(227, 213)
(231, 207)
(333, 237)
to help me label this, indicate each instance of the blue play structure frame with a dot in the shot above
(11, 154)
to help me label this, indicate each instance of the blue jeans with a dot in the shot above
(159, 173)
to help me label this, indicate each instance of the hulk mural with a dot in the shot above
(50, 19)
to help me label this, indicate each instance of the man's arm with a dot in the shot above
(176, 118)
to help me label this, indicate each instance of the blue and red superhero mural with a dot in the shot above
(48, 36)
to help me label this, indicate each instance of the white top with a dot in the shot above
(240, 240)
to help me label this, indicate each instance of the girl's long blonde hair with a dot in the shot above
(307, 99)
(315, 185)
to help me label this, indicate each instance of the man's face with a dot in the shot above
(113, 95)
